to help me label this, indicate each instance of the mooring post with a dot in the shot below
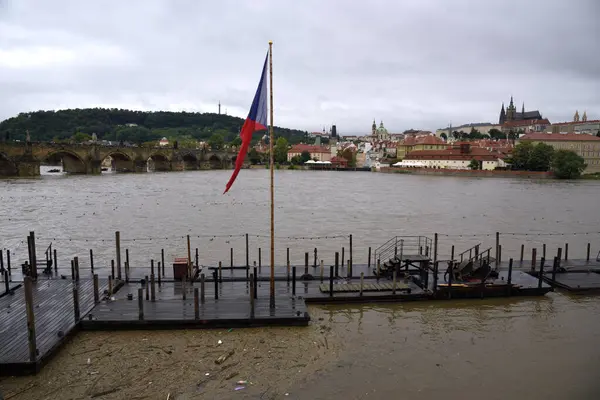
(220, 272)
(559, 253)
(369, 260)
(157, 274)
(566, 251)
(162, 261)
(216, 285)
(152, 288)
(315, 259)
(6, 282)
(293, 281)
(252, 287)
(288, 255)
(452, 253)
(544, 250)
(587, 258)
(184, 288)
(118, 245)
(435, 247)
(362, 279)
(247, 252)
(1, 261)
(29, 256)
(497, 249)
(202, 280)
(306, 263)
(420, 250)
(189, 257)
(141, 304)
(127, 265)
(350, 253)
(394, 282)
(435, 275)
(322, 271)
(96, 290)
(509, 280)
(9, 272)
(343, 257)
(522, 253)
(76, 303)
(197, 259)
(331, 281)
(349, 272)
(110, 286)
(72, 270)
(541, 273)
(76, 261)
(554, 269)
(337, 263)
(92, 261)
(112, 268)
(196, 304)
(533, 257)
(450, 275)
(259, 257)
(28, 282)
(288, 272)
(499, 253)
(255, 280)
(33, 255)
(147, 287)
(378, 269)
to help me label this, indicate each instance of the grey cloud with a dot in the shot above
(412, 64)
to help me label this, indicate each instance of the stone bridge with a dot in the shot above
(24, 159)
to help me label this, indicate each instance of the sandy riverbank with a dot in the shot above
(181, 364)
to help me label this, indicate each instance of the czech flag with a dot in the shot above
(256, 121)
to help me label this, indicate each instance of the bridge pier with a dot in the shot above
(121, 165)
(27, 168)
(140, 166)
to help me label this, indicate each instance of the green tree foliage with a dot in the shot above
(128, 125)
(598, 134)
(254, 156)
(444, 136)
(304, 156)
(296, 160)
(475, 134)
(567, 164)
(496, 134)
(349, 156)
(529, 157)
(237, 141)
(81, 137)
(184, 142)
(216, 141)
(474, 164)
(280, 150)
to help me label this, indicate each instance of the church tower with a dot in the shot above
(502, 118)
(510, 111)
(576, 116)
(374, 128)
(584, 118)
(523, 111)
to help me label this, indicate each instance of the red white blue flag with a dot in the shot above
(256, 121)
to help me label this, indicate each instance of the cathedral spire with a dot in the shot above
(576, 116)
(511, 105)
(584, 118)
(523, 109)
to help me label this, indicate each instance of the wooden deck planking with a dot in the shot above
(54, 312)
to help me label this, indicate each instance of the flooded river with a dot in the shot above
(519, 348)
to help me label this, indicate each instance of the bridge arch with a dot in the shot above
(190, 161)
(215, 162)
(72, 163)
(7, 166)
(119, 161)
(159, 162)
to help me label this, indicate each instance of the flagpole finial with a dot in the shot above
(270, 42)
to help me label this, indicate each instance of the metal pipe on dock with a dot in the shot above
(96, 290)
(141, 304)
(337, 263)
(110, 286)
(259, 257)
(331, 281)
(162, 261)
(231, 257)
(118, 245)
(196, 304)
(541, 272)
(497, 249)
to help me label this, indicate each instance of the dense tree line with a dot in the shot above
(128, 125)
(565, 164)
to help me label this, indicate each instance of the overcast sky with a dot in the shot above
(411, 63)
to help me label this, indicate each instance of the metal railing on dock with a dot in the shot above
(402, 245)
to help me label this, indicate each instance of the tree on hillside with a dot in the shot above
(81, 137)
(567, 164)
(474, 134)
(237, 141)
(216, 142)
(540, 157)
(520, 155)
(474, 164)
(496, 134)
(349, 156)
(304, 156)
(444, 136)
(280, 150)
(254, 156)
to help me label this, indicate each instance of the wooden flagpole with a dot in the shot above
(271, 159)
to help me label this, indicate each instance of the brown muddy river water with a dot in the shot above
(544, 348)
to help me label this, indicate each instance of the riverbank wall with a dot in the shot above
(469, 173)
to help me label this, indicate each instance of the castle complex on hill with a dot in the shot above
(511, 114)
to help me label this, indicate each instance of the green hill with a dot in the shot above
(128, 125)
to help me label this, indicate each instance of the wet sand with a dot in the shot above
(181, 365)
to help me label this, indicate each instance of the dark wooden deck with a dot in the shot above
(54, 322)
